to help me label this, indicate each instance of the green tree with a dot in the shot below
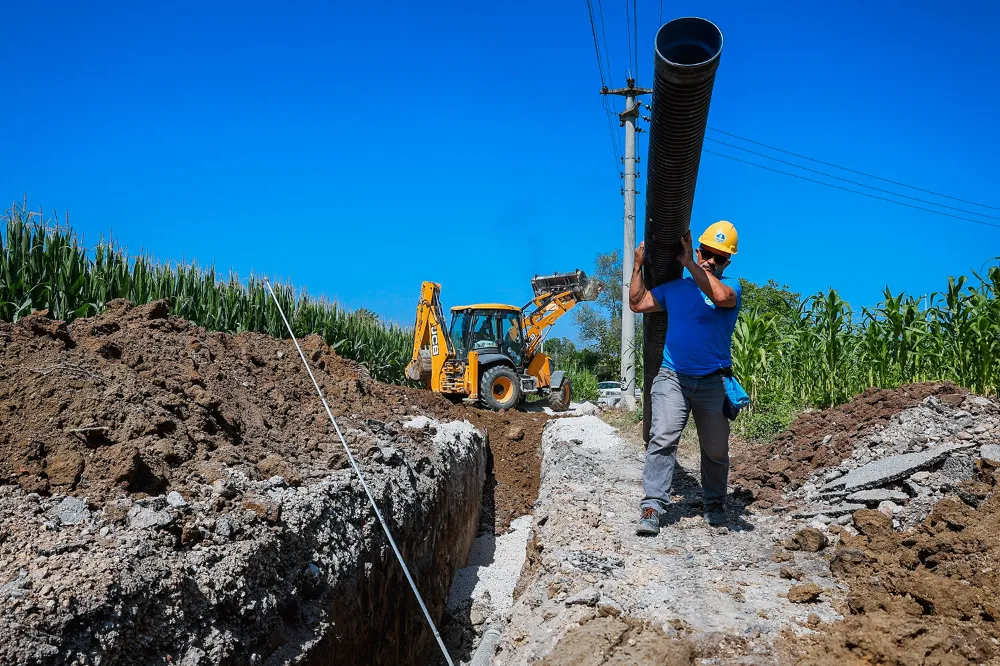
(560, 350)
(771, 299)
(600, 323)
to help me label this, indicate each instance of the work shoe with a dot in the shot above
(649, 523)
(715, 515)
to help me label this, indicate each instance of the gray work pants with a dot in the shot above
(673, 397)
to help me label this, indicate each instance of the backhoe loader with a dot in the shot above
(491, 353)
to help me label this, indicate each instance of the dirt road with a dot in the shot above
(895, 583)
(701, 589)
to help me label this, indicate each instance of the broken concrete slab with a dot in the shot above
(832, 511)
(958, 468)
(893, 468)
(878, 495)
(71, 511)
(990, 451)
(588, 597)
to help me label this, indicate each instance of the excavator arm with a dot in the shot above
(555, 295)
(431, 345)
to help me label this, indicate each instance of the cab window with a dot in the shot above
(512, 344)
(457, 334)
(484, 332)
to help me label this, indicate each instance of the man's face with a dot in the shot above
(712, 260)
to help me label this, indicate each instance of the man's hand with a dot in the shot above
(640, 299)
(687, 256)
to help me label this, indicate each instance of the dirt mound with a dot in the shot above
(139, 402)
(824, 439)
(611, 640)
(627, 641)
(926, 596)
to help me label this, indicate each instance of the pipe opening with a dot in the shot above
(688, 42)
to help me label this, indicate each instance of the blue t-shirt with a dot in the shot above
(699, 335)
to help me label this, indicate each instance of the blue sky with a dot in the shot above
(359, 148)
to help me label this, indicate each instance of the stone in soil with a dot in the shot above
(804, 594)
(71, 511)
(809, 540)
(791, 574)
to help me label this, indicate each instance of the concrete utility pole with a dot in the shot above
(628, 118)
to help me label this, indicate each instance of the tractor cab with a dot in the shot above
(489, 329)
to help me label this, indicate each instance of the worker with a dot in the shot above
(701, 311)
(484, 338)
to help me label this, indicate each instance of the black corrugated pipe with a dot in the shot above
(686, 56)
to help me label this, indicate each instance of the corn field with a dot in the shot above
(820, 355)
(826, 352)
(45, 266)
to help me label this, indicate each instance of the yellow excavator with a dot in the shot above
(491, 353)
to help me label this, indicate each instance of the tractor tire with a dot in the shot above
(559, 398)
(500, 388)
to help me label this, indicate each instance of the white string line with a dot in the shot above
(361, 477)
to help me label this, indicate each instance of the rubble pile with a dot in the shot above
(922, 455)
(824, 439)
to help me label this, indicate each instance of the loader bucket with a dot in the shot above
(583, 288)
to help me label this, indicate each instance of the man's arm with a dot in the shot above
(640, 299)
(721, 294)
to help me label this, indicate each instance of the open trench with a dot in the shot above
(171, 495)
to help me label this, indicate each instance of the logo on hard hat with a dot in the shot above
(720, 237)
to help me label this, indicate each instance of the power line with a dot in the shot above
(616, 153)
(597, 50)
(628, 27)
(661, 16)
(847, 189)
(616, 146)
(860, 173)
(852, 182)
(604, 38)
(635, 38)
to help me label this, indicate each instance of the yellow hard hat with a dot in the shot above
(721, 236)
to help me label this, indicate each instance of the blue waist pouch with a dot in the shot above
(736, 397)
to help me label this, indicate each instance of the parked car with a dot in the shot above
(610, 393)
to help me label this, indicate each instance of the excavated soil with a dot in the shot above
(620, 641)
(927, 596)
(139, 402)
(823, 439)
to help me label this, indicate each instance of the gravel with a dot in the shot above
(586, 560)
